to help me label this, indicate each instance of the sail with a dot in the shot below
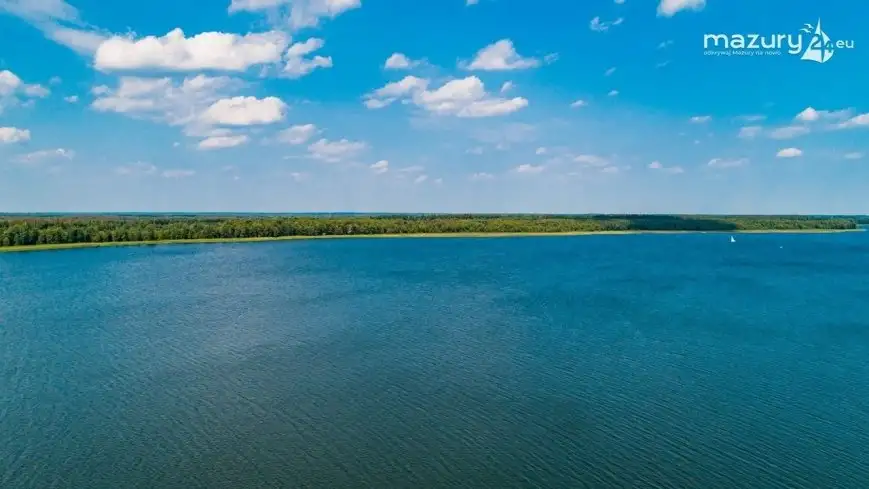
(818, 49)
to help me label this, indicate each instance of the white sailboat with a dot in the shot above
(732, 239)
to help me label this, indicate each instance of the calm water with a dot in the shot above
(647, 361)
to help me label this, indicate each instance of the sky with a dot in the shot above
(551, 106)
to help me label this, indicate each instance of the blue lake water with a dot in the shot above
(640, 361)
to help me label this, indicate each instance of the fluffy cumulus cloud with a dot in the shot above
(200, 105)
(245, 111)
(298, 62)
(810, 114)
(501, 56)
(789, 153)
(298, 14)
(861, 120)
(13, 89)
(668, 8)
(700, 119)
(11, 135)
(205, 51)
(299, 134)
(164, 99)
(380, 167)
(465, 97)
(336, 151)
(398, 61)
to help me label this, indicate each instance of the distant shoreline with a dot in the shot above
(69, 246)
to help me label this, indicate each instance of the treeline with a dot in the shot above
(25, 231)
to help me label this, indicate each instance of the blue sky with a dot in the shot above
(428, 106)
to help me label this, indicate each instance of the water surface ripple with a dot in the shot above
(647, 361)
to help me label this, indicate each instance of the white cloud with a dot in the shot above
(853, 156)
(299, 134)
(221, 142)
(507, 86)
(245, 111)
(36, 91)
(619, 2)
(10, 135)
(465, 97)
(540, 151)
(468, 3)
(528, 169)
(12, 88)
(599, 25)
(399, 61)
(80, 41)
(40, 10)
(481, 176)
(789, 153)
(609, 71)
(501, 56)
(750, 132)
(391, 92)
(180, 103)
(71, 99)
(299, 13)
(412, 169)
(138, 168)
(579, 103)
(700, 119)
(177, 173)
(380, 167)
(613, 93)
(727, 163)
(665, 44)
(205, 51)
(657, 166)
(789, 132)
(45, 154)
(668, 8)
(861, 120)
(297, 65)
(336, 151)
(752, 117)
(420, 179)
(591, 160)
(812, 115)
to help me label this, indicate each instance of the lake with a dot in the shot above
(642, 361)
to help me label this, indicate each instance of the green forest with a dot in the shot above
(50, 230)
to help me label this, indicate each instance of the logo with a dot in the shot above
(811, 43)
